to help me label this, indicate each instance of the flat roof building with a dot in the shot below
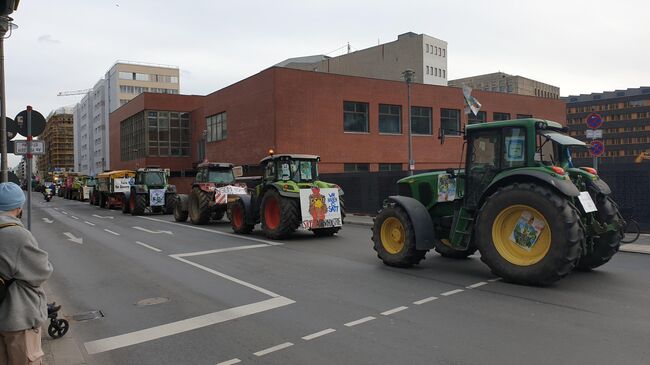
(59, 142)
(511, 84)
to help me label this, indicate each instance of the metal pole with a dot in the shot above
(595, 162)
(4, 176)
(29, 167)
(408, 116)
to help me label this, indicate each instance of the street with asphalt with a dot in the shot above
(174, 293)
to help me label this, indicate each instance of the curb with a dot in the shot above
(635, 248)
(359, 220)
(64, 350)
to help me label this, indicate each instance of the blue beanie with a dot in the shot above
(11, 196)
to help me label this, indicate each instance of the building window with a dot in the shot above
(390, 118)
(427, 70)
(496, 116)
(217, 127)
(436, 51)
(355, 117)
(161, 134)
(450, 121)
(444, 52)
(125, 75)
(427, 47)
(524, 116)
(444, 73)
(420, 120)
(356, 167)
(481, 117)
(390, 167)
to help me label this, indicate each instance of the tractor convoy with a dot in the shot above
(517, 199)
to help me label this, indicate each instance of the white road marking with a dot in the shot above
(359, 321)
(46, 220)
(243, 237)
(451, 292)
(230, 362)
(111, 232)
(425, 300)
(319, 334)
(106, 217)
(218, 250)
(64, 212)
(394, 310)
(169, 329)
(89, 223)
(74, 239)
(147, 246)
(150, 231)
(473, 286)
(73, 217)
(493, 280)
(273, 349)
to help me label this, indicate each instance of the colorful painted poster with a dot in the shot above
(305, 170)
(320, 208)
(446, 188)
(527, 231)
(156, 197)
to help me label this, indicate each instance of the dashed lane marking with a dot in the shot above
(218, 250)
(89, 223)
(73, 217)
(451, 292)
(394, 310)
(230, 362)
(64, 212)
(425, 300)
(493, 280)
(359, 321)
(111, 232)
(147, 246)
(474, 286)
(273, 349)
(319, 334)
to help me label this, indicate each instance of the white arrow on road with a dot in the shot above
(74, 239)
(46, 220)
(150, 231)
(99, 216)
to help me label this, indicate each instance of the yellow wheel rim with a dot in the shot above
(393, 235)
(523, 250)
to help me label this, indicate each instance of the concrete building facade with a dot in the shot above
(58, 137)
(121, 83)
(354, 124)
(425, 55)
(505, 83)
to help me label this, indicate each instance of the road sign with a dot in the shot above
(12, 129)
(38, 147)
(594, 133)
(597, 148)
(594, 120)
(38, 123)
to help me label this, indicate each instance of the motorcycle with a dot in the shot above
(47, 194)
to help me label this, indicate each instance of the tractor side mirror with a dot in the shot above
(238, 171)
(441, 135)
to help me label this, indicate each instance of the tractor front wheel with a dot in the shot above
(138, 203)
(199, 207)
(528, 234)
(238, 218)
(126, 207)
(393, 238)
(607, 244)
(170, 203)
(280, 216)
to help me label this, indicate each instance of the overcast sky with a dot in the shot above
(580, 46)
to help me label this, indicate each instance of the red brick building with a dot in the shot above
(353, 123)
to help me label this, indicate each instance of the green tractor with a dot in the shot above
(519, 201)
(151, 191)
(289, 196)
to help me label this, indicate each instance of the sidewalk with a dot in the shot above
(64, 350)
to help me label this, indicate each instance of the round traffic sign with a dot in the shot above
(594, 120)
(597, 148)
(12, 129)
(38, 123)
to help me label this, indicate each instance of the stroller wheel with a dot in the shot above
(58, 328)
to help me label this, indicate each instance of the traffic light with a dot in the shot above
(8, 6)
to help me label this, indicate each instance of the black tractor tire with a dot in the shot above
(199, 207)
(393, 238)
(170, 203)
(103, 201)
(238, 218)
(126, 206)
(563, 241)
(607, 244)
(218, 214)
(180, 215)
(452, 253)
(280, 216)
(326, 232)
(138, 203)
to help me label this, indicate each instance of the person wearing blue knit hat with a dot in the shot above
(24, 267)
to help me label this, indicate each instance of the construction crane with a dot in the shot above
(74, 92)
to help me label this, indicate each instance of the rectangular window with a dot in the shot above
(444, 74)
(444, 52)
(436, 50)
(481, 117)
(524, 116)
(514, 147)
(356, 167)
(217, 127)
(450, 121)
(496, 116)
(420, 120)
(142, 77)
(390, 118)
(125, 75)
(390, 167)
(355, 117)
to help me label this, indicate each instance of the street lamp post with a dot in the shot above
(409, 76)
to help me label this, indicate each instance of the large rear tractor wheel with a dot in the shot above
(280, 216)
(103, 200)
(238, 218)
(180, 215)
(126, 206)
(199, 207)
(443, 247)
(393, 238)
(607, 244)
(528, 234)
(138, 203)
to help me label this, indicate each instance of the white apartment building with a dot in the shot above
(121, 83)
(425, 55)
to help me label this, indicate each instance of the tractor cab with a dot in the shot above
(297, 168)
(153, 178)
(217, 173)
